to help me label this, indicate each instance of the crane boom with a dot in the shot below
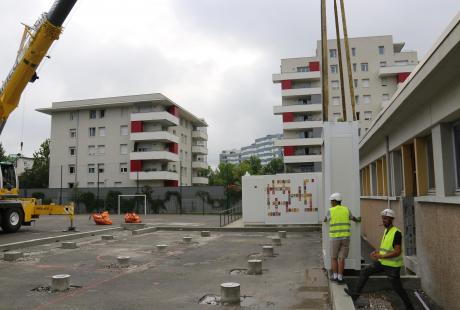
(38, 41)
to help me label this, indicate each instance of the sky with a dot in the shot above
(214, 58)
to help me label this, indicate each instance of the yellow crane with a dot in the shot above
(35, 43)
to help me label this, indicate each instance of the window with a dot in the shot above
(90, 184)
(101, 131)
(70, 185)
(335, 84)
(337, 116)
(334, 69)
(359, 132)
(71, 169)
(101, 113)
(456, 129)
(430, 163)
(91, 150)
(357, 99)
(357, 117)
(367, 99)
(117, 184)
(91, 168)
(364, 66)
(397, 175)
(72, 116)
(92, 131)
(123, 149)
(385, 97)
(101, 149)
(354, 67)
(382, 50)
(367, 115)
(401, 62)
(353, 51)
(384, 81)
(124, 130)
(355, 81)
(72, 133)
(333, 53)
(92, 114)
(302, 69)
(373, 178)
(335, 100)
(383, 64)
(72, 150)
(123, 167)
(100, 168)
(365, 83)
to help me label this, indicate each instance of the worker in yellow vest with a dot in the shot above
(388, 259)
(339, 218)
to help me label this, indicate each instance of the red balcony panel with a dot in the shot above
(286, 84)
(288, 117)
(313, 65)
(174, 111)
(137, 126)
(174, 148)
(136, 165)
(288, 151)
(171, 183)
(401, 77)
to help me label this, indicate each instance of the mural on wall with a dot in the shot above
(283, 197)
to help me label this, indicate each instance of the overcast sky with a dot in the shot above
(212, 57)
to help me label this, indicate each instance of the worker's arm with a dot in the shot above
(397, 251)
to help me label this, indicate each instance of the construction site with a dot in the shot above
(353, 206)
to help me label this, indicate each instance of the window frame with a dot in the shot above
(364, 67)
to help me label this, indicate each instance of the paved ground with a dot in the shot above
(177, 279)
(49, 226)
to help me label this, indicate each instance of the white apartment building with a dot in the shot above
(263, 148)
(378, 66)
(21, 163)
(126, 141)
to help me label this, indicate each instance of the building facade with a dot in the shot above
(410, 162)
(378, 66)
(126, 141)
(263, 148)
(21, 163)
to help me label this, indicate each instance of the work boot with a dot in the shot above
(352, 294)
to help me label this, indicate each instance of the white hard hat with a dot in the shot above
(388, 212)
(336, 197)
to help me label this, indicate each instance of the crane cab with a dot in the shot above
(9, 185)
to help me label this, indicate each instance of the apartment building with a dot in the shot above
(410, 162)
(22, 163)
(379, 65)
(263, 148)
(126, 141)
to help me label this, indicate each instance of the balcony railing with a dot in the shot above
(160, 136)
(163, 117)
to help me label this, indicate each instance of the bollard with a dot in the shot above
(205, 233)
(161, 247)
(60, 282)
(282, 234)
(106, 237)
(12, 256)
(123, 261)
(187, 239)
(69, 245)
(230, 293)
(276, 241)
(267, 250)
(255, 266)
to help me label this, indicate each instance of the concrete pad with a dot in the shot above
(107, 237)
(12, 256)
(132, 226)
(69, 245)
(339, 299)
(144, 230)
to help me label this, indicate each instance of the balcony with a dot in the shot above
(154, 175)
(200, 150)
(394, 70)
(297, 108)
(295, 159)
(313, 75)
(160, 136)
(200, 180)
(299, 142)
(300, 92)
(302, 125)
(199, 135)
(164, 118)
(154, 155)
(199, 165)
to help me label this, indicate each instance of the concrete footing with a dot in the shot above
(267, 250)
(205, 233)
(60, 282)
(282, 234)
(187, 239)
(230, 293)
(107, 237)
(161, 247)
(254, 266)
(12, 256)
(276, 241)
(132, 226)
(69, 245)
(123, 261)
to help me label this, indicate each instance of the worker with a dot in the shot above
(339, 232)
(388, 259)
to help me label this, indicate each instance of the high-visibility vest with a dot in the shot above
(386, 246)
(339, 226)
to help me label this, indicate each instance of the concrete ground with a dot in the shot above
(177, 279)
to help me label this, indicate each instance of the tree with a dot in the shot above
(111, 200)
(204, 196)
(3, 156)
(255, 166)
(275, 166)
(38, 176)
(155, 204)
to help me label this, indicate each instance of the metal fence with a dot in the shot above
(175, 200)
(230, 215)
